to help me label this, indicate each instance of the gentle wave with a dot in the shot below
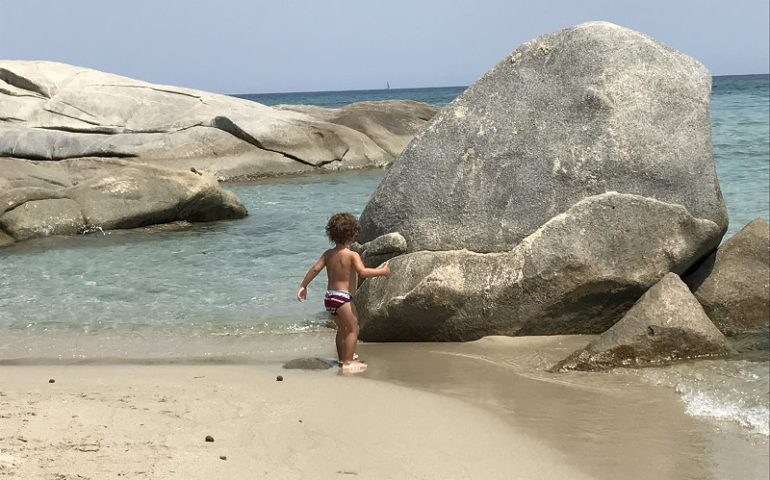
(703, 404)
(733, 391)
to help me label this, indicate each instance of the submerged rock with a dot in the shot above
(567, 115)
(577, 274)
(733, 283)
(667, 324)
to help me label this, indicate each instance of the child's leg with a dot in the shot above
(355, 313)
(339, 340)
(347, 331)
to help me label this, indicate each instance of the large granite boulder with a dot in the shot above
(733, 283)
(667, 324)
(550, 195)
(570, 114)
(578, 273)
(53, 111)
(76, 196)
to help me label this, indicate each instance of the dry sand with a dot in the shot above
(105, 422)
(480, 410)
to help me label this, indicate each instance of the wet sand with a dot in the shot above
(607, 425)
(479, 410)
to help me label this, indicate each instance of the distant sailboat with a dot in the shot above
(387, 85)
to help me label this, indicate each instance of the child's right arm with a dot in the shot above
(309, 276)
(364, 272)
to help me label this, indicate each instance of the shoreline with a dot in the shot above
(609, 425)
(483, 409)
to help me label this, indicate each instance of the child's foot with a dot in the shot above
(353, 367)
(355, 357)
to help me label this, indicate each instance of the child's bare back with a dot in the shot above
(341, 271)
(343, 267)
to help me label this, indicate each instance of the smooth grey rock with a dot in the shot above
(382, 249)
(733, 283)
(390, 124)
(577, 274)
(567, 115)
(55, 111)
(6, 240)
(74, 196)
(667, 324)
(310, 363)
(42, 218)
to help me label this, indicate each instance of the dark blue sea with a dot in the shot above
(225, 291)
(438, 96)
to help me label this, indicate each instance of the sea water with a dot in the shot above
(225, 291)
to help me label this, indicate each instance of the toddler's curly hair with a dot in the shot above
(343, 228)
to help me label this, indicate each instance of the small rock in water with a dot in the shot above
(279, 378)
(209, 438)
(51, 380)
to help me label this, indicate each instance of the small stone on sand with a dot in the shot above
(279, 378)
(209, 438)
(223, 457)
(51, 380)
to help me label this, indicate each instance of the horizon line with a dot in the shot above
(424, 88)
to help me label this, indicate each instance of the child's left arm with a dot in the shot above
(309, 276)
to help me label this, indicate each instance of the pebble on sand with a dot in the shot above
(279, 378)
(51, 380)
(209, 438)
(223, 457)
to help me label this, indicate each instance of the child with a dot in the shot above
(342, 267)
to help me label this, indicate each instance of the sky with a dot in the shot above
(260, 46)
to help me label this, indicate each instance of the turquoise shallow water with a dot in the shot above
(237, 279)
(224, 291)
(740, 117)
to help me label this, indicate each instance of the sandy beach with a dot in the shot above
(443, 411)
(99, 422)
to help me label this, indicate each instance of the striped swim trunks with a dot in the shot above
(335, 299)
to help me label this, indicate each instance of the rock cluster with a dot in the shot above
(548, 197)
(82, 149)
(53, 111)
(665, 325)
(733, 283)
(577, 274)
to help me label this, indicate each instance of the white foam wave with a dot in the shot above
(734, 391)
(702, 404)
